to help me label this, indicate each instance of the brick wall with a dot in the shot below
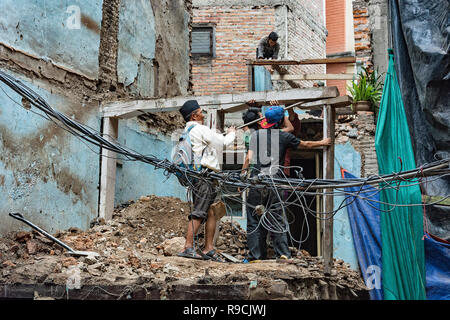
(363, 48)
(238, 31)
(306, 40)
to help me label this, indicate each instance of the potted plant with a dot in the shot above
(366, 90)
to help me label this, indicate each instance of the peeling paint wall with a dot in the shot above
(76, 59)
(67, 32)
(45, 171)
(347, 158)
(136, 178)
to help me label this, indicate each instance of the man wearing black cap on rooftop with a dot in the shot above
(268, 48)
(207, 146)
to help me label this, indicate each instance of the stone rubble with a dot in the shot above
(139, 246)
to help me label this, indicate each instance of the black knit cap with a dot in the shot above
(273, 36)
(249, 116)
(187, 109)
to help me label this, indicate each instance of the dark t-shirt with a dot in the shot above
(269, 149)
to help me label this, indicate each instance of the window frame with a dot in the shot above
(212, 40)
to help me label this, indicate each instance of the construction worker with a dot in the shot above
(268, 48)
(267, 153)
(207, 146)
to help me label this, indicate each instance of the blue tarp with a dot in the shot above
(437, 264)
(364, 216)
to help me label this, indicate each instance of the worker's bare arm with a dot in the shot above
(314, 144)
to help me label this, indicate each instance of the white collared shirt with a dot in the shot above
(208, 144)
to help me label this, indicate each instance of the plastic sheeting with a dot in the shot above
(401, 226)
(364, 216)
(420, 34)
(364, 219)
(437, 252)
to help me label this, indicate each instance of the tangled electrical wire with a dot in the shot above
(286, 193)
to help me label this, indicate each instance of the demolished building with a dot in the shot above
(133, 52)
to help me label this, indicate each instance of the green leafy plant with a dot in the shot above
(368, 87)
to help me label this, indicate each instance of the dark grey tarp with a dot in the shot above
(420, 40)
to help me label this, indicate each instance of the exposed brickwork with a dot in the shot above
(363, 35)
(305, 42)
(238, 31)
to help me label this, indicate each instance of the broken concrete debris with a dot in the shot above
(145, 257)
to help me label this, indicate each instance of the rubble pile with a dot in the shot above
(138, 247)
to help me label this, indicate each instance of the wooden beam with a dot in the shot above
(315, 76)
(284, 97)
(230, 102)
(261, 62)
(330, 116)
(338, 102)
(108, 170)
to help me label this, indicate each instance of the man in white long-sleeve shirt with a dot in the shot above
(207, 146)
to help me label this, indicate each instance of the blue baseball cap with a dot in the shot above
(272, 116)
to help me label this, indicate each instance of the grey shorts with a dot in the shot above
(203, 196)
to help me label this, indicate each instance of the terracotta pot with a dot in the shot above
(362, 106)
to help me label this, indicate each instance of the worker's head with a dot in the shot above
(250, 115)
(191, 111)
(274, 115)
(273, 37)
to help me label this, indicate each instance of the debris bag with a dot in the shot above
(437, 252)
(420, 40)
(364, 216)
(401, 226)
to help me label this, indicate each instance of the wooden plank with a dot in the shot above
(339, 102)
(318, 220)
(314, 76)
(261, 62)
(108, 170)
(329, 174)
(230, 102)
(285, 97)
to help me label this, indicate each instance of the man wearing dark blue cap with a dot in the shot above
(207, 147)
(267, 153)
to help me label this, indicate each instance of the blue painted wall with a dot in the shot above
(136, 45)
(49, 30)
(46, 174)
(134, 179)
(347, 157)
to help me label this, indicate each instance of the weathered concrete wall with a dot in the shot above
(46, 173)
(136, 178)
(349, 159)
(66, 32)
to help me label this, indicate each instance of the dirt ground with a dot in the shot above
(139, 245)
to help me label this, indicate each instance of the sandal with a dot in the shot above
(211, 255)
(190, 253)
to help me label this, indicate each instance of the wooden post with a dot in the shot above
(318, 208)
(329, 118)
(108, 170)
(215, 120)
